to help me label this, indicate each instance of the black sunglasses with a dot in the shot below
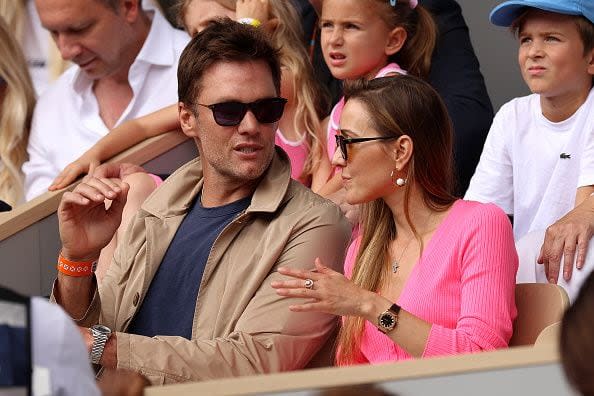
(342, 142)
(266, 111)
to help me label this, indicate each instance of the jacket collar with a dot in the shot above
(175, 196)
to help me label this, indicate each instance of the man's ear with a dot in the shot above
(187, 120)
(396, 40)
(131, 9)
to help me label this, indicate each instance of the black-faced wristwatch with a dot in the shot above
(387, 320)
(100, 335)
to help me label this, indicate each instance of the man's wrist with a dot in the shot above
(79, 257)
(109, 359)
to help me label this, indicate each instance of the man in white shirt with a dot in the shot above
(125, 67)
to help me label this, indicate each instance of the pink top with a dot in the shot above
(334, 121)
(297, 152)
(463, 285)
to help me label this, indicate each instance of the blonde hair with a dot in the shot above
(307, 95)
(395, 105)
(16, 110)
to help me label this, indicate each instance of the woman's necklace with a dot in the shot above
(396, 263)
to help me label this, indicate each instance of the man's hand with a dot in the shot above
(574, 229)
(122, 382)
(86, 226)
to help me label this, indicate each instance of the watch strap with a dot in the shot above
(99, 341)
(395, 309)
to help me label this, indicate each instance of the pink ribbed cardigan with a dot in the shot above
(463, 285)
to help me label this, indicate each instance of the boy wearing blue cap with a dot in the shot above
(534, 156)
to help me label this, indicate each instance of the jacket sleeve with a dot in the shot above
(488, 273)
(267, 337)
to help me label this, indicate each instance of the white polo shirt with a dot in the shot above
(66, 121)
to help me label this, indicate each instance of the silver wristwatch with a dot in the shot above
(100, 335)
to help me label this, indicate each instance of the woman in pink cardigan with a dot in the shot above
(433, 273)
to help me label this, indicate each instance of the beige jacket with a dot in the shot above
(241, 326)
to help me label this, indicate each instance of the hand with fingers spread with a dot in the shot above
(327, 291)
(256, 9)
(569, 235)
(86, 225)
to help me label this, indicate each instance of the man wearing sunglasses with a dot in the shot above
(188, 296)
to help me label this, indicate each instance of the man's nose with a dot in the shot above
(69, 48)
(249, 124)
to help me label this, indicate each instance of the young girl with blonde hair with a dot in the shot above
(299, 126)
(17, 100)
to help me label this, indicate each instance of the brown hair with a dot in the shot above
(584, 26)
(577, 343)
(310, 102)
(400, 105)
(415, 54)
(223, 41)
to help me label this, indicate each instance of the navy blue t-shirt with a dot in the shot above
(168, 308)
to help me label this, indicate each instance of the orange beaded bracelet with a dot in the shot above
(76, 268)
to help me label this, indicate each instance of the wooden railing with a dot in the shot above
(514, 371)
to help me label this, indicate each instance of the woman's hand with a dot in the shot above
(256, 9)
(331, 292)
(72, 171)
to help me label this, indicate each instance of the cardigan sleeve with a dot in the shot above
(488, 266)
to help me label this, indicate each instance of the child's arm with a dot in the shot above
(119, 139)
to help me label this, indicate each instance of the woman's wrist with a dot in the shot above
(372, 305)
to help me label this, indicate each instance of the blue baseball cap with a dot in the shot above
(505, 13)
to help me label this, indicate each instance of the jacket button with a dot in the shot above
(136, 298)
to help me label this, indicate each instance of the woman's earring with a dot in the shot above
(400, 182)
